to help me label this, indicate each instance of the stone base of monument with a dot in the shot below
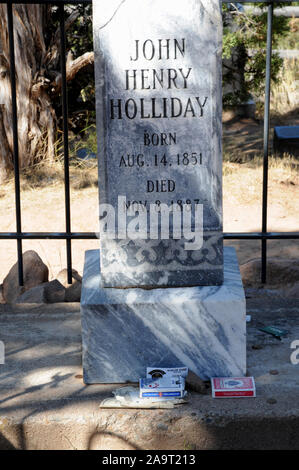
(126, 330)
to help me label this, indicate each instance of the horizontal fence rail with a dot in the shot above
(68, 235)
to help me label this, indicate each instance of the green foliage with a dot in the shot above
(244, 52)
(81, 90)
(244, 56)
(80, 36)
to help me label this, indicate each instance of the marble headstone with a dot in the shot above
(126, 330)
(159, 111)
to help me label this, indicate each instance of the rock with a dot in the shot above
(291, 291)
(48, 292)
(73, 292)
(280, 271)
(35, 273)
(62, 277)
(55, 292)
(162, 427)
(1, 294)
(257, 346)
(36, 295)
(195, 383)
(271, 401)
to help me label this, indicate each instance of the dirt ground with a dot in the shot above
(243, 144)
(43, 205)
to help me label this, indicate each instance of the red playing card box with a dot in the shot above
(233, 387)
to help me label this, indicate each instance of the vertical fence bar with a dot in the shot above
(65, 143)
(266, 141)
(15, 140)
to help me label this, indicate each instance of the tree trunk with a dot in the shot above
(36, 117)
(38, 82)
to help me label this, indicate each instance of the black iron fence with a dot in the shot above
(68, 235)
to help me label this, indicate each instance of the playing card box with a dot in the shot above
(161, 388)
(233, 387)
(166, 372)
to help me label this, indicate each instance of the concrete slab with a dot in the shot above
(45, 405)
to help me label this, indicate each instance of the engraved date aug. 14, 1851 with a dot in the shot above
(139, 160)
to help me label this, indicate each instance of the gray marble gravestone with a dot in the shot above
(158, 293)
(158, 79)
